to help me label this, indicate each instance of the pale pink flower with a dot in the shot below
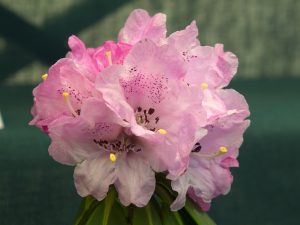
(209, 68)
(149, 103)
(208, 173)
(149, 93)
(96, 142)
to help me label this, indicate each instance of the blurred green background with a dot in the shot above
(265, 36)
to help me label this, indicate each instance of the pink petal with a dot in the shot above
(49, 102)
(81, 58)
(73, 139)
(204, 180)
(136, 180)
(211, 65)
(118, 52)
(71, 143)
(230, 137)
(150, 69)
(93, 176)
(186, 39)
(203, 205)
(77, 46)
(229, 162)
(106, 125)
(237, 108)
(140, 25)
(181, 186)
(108, 85)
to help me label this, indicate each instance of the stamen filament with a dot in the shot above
(222, 150)
(108, 57)
(66, 96)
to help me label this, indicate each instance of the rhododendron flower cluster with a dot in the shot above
(147, 104)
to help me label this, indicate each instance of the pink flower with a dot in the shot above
(123, 111)
(208, 173)
(209, 68)
(96, 142)
(61, 94)
(149, 93)
(74, 75)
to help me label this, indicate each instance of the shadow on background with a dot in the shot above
(46, 44)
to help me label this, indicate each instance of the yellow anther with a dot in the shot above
(223, 150)
(44, 76)
(65, 94)
(108, 57)
(162, 131)
(204, 85)
(112, 157)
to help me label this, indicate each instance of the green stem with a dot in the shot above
(130, 215)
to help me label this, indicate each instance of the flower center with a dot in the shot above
(117, 147)
(147, 119)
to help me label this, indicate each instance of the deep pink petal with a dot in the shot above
(118, 52)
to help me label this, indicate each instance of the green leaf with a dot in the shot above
(108, 203)
(146, 215)
(106, 212)
(200, 217)
(169, 217)
(87, 207)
